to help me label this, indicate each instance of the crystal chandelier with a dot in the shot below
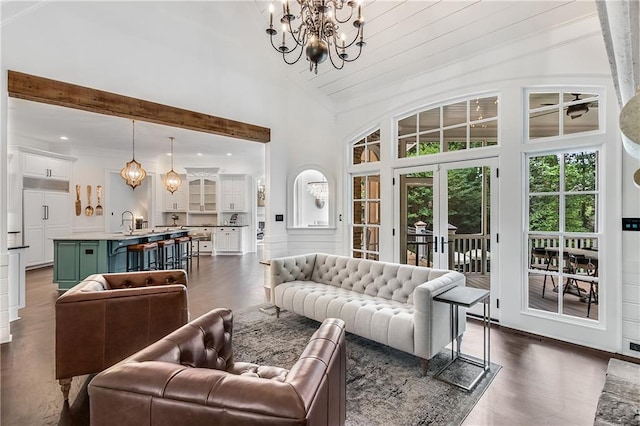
(171, 180)
(133, 173)
(314, 29)
(320, 190)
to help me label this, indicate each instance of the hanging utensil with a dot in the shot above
(88, 210)
(78, 202)
(99, 195)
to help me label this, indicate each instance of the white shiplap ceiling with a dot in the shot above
(405, 40)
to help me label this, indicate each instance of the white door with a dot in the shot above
(445, 221)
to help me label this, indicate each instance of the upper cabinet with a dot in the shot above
(202, 194)
(234, 193)
(42, 166)
(176, 202)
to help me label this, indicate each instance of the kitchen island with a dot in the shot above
(77, 256)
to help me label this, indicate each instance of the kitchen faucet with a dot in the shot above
(123, 220)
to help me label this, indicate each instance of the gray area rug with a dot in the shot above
(384, 386)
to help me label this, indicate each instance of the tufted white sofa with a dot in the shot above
(389, 303)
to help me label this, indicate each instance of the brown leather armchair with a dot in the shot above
(189, 378)
(108, 317)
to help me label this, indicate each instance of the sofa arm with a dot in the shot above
(291, 268)
(431, 319)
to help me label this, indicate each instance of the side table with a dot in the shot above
(467, 297)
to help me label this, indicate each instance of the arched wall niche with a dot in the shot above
(311, 198)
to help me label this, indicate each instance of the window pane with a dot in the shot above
(407, 147)
(580, 171)
(358, 238)
(358, 187)
(455, 139)
(581, 296)
(358, 154)
(357, 254)
(358, 212)
(570, 97)
(373, 209)
(580, 213)
(429, 143)
(544, 211)
(543, 124)
(373, 152)
(374, 137)
(372, 256)
(483, 108)
(544, 174)
(484, 134)
(373, 237)
(537, 100)
(373, 182)
(455, 113)
(430, 120)
(581, 117)
(407, 125)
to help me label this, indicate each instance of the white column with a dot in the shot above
(5, 331)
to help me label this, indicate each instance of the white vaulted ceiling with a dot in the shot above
(406, 41)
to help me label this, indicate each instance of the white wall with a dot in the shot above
(508, 70)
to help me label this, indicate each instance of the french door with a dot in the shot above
(445, 216)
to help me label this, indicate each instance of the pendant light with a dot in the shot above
(171, 180)
(133, 173)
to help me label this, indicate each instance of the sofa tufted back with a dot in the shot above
(203, 343)
(374, 278)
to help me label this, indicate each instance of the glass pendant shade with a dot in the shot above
(171, 180)
(133, 173)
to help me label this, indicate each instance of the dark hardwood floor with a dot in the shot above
(542, 382)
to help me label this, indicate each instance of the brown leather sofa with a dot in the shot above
(108, 317)
(190, 378)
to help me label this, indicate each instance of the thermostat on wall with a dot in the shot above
(631, 224)
(279, 218)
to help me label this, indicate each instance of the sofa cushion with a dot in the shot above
(375, 318)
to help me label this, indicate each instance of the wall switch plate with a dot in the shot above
(634, 346)
(279, 218)
(631, 224)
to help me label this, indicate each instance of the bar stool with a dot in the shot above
(142, 255)
(182, 252)
(195, 253)
(167, 250)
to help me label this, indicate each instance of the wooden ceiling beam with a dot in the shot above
(44, 90)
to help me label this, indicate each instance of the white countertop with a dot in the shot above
(118, 236)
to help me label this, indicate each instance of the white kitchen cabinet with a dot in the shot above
(228, 240)
(205, 236)
(202, 194)
(176, 202)
(234, 193)
(43, 166)
(46, 215)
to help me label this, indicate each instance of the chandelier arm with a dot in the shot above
(284, 58)
(300, 32)
(358, 37)
(335, 12)
(333, 63)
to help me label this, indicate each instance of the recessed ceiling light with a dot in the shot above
(64, 138)
(169, 154)
(199, 154)
(229, 154)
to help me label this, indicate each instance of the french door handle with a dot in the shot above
(442, 243)
(435, 244)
